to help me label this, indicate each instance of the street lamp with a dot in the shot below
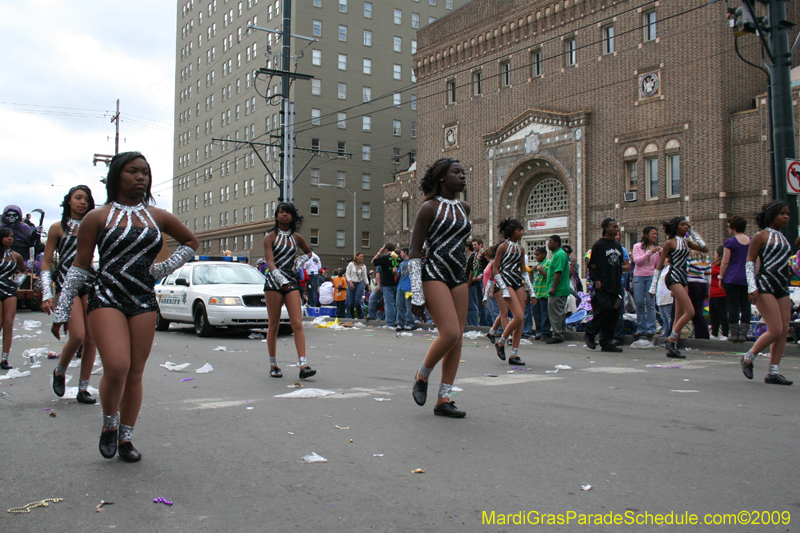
(353, 194)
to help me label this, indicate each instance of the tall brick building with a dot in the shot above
(564, 113)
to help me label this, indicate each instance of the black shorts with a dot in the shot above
(292, 287)
(770, 286)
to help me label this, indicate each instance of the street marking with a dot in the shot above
(509, 379)
(613, 370)
(215, 403)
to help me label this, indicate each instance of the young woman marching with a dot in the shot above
(510, 276)
(282, 285)
(677, 250)
(127, 232)
(439, 282)
(769, 290)
(9, 265)
(63, 237)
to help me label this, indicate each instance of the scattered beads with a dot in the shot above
(162, 500)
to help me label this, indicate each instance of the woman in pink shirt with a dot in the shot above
(645, 258)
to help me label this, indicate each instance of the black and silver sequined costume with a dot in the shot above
(773, 276)
(67, 248)
(677, 260)
(445, 254)
(124, 281)
(284, 250)
(509, 266)
(8, 267)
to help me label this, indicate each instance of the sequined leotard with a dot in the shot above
(284, 250)
(509, 266)
(773, 276)
(67, 248)
(445, 253)
(124, 281)
(677, 261)
(8, 267)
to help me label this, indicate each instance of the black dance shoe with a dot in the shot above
(777, 379)
(673, 352)
(85, 397)
(491, 338)
(553, 340)
(611, 348)
(420, 391)
(516, 361)
(108, 443)
(4, 365)
(59, 384)
(589, 340)
(501, 351)
(306, 372)
(128, 453)
(275, 372)
(449, 409)
(747, 368)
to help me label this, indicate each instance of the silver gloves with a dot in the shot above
(499, 283)
(656, 278)
(750, 272)
(415, 276)
(279, 277)
(173, 262)
(73, 281)
(487, 291)
(299, 261)
(47, 285)
(526, 280)
(696, 238)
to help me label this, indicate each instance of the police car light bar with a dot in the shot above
(231, 259)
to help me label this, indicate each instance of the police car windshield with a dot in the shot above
(218, 274)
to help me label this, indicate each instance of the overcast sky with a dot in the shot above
(63, 66)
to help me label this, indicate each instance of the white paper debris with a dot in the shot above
(586, 487)
(14, 373)
(524, 341)
(70, 393)
(306, 393)
(684, 391)
(255, 335)
(31, 325)
(405, 334)
(473, 334)
(563, 367)
(173, 367)
(643, 344)
(457, 389)
(313, 457)
(205, 369)
(249, 408)
(220, 349)
(377, 455)
(383, 399)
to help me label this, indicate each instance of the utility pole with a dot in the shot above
(105, 158)
(115, 119)
(774, 35)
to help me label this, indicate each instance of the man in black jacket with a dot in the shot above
(605, 270)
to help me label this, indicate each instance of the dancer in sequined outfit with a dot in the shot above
(127, 232)
(769, 289)
(10, 264)
(439, 282)
(510, 277)
(677, 249)
(282, 286)
(63, 238)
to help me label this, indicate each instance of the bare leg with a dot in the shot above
(502, 304)
(89, 347)
(9, 309)
(293, 306)
(684, 310)
(515, 304)
(77, 331)
(142, 331)
(776, 315)
(274, 302)
(113, 339)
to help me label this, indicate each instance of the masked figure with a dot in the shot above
(24, 235)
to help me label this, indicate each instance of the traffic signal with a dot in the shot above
(741, 21)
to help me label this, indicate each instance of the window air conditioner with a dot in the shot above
(630, 196)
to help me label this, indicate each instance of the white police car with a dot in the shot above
(211, 292)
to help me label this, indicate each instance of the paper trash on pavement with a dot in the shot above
(31, 325)
(173, 367)
(205, 369)
(306, 393)
(14, 373)
(314, 457)
(643, 344)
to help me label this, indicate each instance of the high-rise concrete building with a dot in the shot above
(359, 111)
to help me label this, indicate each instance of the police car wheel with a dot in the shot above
(162, 324)
(201, 325)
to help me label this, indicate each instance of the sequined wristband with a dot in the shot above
(47, 285)
(750, 272)
(73, 281)
(415, 276)
(173, 262)
(499, 283)
(526, 280)
(654, 284)
(299, 261)
(279, 278)
(487, 291)
(696, 238)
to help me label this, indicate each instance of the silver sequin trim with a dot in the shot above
(83, 384)
(415, 276)
(73, 281)
(125, 433)
(424, 371)
(301, 361)
(173, 262)
(273, 361)
(47, 285)
(696, 238)
(111, 421)
(487, 291)
(445, 390)
(750, 271)
(654, 284)
(498, 281)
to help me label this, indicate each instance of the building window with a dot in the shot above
(415, 20)
(341, 120)
(366, 94)
(651, 170)
(314, 176)
(413, 130)
(316, 87)
(365, 182)
(342, 6)
(315, 114)
(649, 24)
(340, 238)
(314, 206)
(398, 16)
(548, 196)
(405, 209)
(314, 145)
(608, 40)
(396, 99)
(505, 73)
(340, 208)
(316, 28)
(398, 44)
(398, 70)
(342, 62)
(571, 52)
(413, 102)
(451, 92)
(365, 239)
(317, 3)
(431, 20)
(448, 4)
(413, 47)
(477, 83)
(366, 152)
(343, 33)
(396, 127)
(341, 178)
(368, 10)
(631, 175)
(314, 237)
(367, 38)
(365, 210)
(342, 91)
(366, 123)
(367, 69)
(316, 58)
(341, 148)
(674, 175)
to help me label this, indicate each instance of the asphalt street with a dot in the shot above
(648, 434)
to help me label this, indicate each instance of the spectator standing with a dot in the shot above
(664, 302)
(557, 289)
(476, 285)
(646, 253)
(387, 260)
(340, 293)
(732, 275)
(717, 303)
(405, 318)
(605, 268)
(698, 270)
(375, 294)
(356, 281)
(539, 301)
(312, 267)
(626, 268)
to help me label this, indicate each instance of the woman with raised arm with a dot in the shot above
(127, 231)
(512, 279)
(9, 265)
(646, 254)
(769, 289)
(677, 250)
(283, 287)
(439, 282)
(63, 238)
